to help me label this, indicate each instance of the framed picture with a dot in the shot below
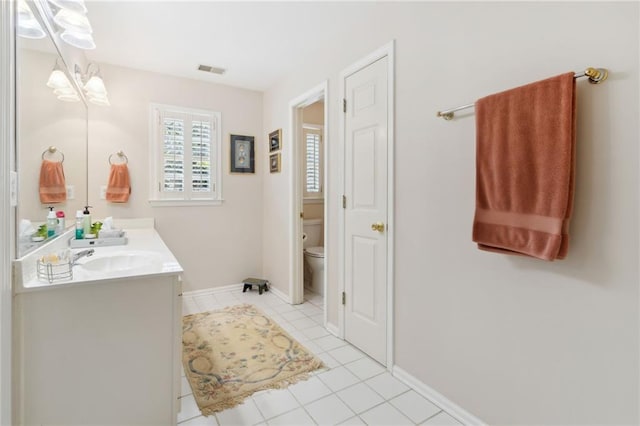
(242, 154)
(275, 140)
(274, 163)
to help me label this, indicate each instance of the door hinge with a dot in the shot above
(344, 298)
(344, 201)
(344, 105)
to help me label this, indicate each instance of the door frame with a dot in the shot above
(296, 280)
(387, 50)
(7, 209)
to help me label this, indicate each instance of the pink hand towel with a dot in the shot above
(53, 188)
(119, 186)
(525, 167)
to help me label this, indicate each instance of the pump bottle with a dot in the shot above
(60, 227)
(86, 222)
(79, 225)
(52, 223)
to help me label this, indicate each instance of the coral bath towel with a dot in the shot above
(53, 188)
(119, 186)
(525, 166)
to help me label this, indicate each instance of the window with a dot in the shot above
(185, 146)
(313, 161)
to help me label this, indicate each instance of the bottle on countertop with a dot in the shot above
(79, 225)
(86, 222)
(61, 225)
(52, 223)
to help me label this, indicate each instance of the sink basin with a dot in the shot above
(120, 262)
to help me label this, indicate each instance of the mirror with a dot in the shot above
(44, 121)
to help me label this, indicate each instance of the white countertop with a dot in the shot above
(144, 255)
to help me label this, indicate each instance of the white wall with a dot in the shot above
(512, 340)
(216, 245)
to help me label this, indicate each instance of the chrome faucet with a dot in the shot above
(81, 254)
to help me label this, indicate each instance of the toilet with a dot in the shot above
(313, 255)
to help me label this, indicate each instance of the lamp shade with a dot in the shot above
(73, 21)
(69, 98)
(58, 80)
(99, 100)
(75, 5)
(29, 28)
(95, 86)
(79, 40)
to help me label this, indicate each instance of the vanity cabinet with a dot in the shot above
(106, 352)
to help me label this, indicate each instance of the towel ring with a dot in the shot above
(52, 150)
(121, 155)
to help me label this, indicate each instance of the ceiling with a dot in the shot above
(258, 43)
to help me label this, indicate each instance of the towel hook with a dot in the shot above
(52, 150)
(121, 155)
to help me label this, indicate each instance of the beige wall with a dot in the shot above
(314, 113)
(513, 340)
(216, 245)
(313, 210)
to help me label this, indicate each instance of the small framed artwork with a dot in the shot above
(242, 154)
(275, 140)
(274, 163)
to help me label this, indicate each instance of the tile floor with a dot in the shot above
(352, 389)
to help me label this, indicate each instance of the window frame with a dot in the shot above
(160, 198)
(316, 129)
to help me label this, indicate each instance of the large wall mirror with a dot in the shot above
(50, 127)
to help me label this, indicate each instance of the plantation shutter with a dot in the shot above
(173, 139)
(187, 154)
(313, 178)
(201, 155)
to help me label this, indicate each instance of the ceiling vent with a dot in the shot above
(213, 70)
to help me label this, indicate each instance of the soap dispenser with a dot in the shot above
(52, 223)
(86, 221)
(79, 225)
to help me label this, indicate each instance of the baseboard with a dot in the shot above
(213, 290)
(333, 329)
(232, 287)
(280, 294)
(437, 398)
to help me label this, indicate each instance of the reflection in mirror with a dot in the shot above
(47, 119)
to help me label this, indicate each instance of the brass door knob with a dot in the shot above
(378, 226)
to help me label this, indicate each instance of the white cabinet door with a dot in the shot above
(99, 353)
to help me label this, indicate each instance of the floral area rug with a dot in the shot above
(231, 353)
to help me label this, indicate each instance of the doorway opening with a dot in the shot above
(309, 130)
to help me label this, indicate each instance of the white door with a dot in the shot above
(366, 189)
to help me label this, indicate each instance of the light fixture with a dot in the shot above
(93, 85)
(28, 26)
(61, 85)
(71, 17)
